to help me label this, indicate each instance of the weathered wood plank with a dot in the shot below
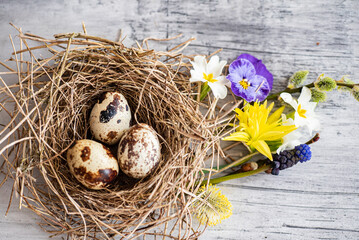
(317, 200)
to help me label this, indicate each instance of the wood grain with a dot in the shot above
(316, 200)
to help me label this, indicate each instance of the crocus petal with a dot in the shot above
(219, 90)
(215, 66)
(310, 106)
(224, 81)
(291, 139)
(199, 64)
(299, 121)
(314, 123)
(289, 99)
(289, 142)
(196, 77)
(305, 95)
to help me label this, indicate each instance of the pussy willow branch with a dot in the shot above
(310, 85)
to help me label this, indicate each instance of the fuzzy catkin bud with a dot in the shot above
(297, 78)
(345, 79)
(355, 92)
(318, 96)
(325, 84)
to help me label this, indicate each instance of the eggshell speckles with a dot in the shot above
(110, 118)
(92, 164)
(139, 151)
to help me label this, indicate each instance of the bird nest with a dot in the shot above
(48, 108)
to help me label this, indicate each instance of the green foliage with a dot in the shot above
(204, 91)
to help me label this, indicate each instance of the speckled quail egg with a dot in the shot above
(139, 151)
(92, 164)
(110, 118)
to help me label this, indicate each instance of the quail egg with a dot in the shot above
(110, 118)
(139, 151)
(92, 164)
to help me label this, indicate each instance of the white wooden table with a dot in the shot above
(317, 200)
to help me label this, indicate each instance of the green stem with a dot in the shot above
(236, 175)
(236, 163)
(289, 90)
(349, 85)
(204, 91)
(310, 85)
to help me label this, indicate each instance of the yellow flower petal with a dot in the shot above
(276, 115)
(263, 148)
(237, 136)
(277, 133)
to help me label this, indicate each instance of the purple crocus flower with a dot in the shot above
(250, 78)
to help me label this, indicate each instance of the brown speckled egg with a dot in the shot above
(110, 118)
(139, 151)
(92, 164)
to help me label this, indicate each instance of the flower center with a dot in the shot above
(209, 78)
(244, 83)
(301, 111)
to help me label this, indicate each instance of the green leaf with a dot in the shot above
(204, 91)
(291, 115)
(274, 145)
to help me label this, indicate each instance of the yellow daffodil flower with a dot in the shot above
(256, 127)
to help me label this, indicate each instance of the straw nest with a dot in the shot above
(48, 109)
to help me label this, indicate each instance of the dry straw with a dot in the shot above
(48, 110)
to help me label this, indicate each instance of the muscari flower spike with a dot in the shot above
(212, 207)
(257, 127)
(297, 78)
(210, 73)
(250, 78)
(287, 159)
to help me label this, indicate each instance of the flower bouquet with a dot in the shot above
(104, 140)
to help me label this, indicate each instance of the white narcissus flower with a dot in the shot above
(291, 139)
(304, 110)
(210, 73)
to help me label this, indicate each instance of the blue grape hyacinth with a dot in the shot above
(303, 152)
(286, 159)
